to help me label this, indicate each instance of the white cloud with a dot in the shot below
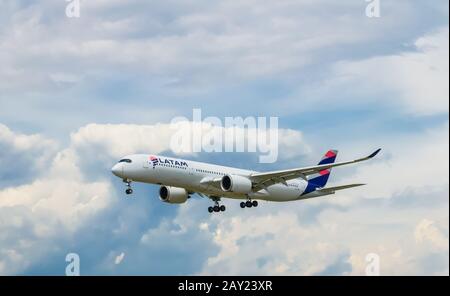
(412, 82)
(426, 231)
(23, 142)
(29, 152)
(204, 42)
(275, 241)
(122, 139)
(407, 164)
(416, 81)
(270, 245)
(53, 205)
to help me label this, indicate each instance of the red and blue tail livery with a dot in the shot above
(320, 179)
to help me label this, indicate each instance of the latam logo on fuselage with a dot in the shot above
(157, 160)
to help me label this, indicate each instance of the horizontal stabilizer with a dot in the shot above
(336, 188)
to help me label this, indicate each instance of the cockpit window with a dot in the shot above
(125, 160)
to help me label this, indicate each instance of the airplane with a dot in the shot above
(179, 179)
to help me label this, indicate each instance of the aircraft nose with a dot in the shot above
(117, 169)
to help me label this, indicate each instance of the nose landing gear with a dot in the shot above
(128, 183)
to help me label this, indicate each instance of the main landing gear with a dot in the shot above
(216, 208)
(128, 190)
(249, 203)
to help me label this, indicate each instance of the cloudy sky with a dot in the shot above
(78, 93)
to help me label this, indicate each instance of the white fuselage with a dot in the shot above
(194, 177)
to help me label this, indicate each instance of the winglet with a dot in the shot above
(374, 153)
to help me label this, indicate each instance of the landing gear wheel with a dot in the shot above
(222, 208)
(128, 183)
(210, 209)
(216, 209)
(248, 204)
(242, 204)
(254, 203)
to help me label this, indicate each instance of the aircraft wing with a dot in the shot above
(263, 180)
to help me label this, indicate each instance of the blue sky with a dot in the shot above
(78, 93)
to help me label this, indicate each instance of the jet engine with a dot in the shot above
(173, 195)
(235, 183)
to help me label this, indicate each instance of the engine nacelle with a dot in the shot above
(173, 195)
(235, 183)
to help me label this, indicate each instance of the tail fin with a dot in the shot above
(321, 179)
